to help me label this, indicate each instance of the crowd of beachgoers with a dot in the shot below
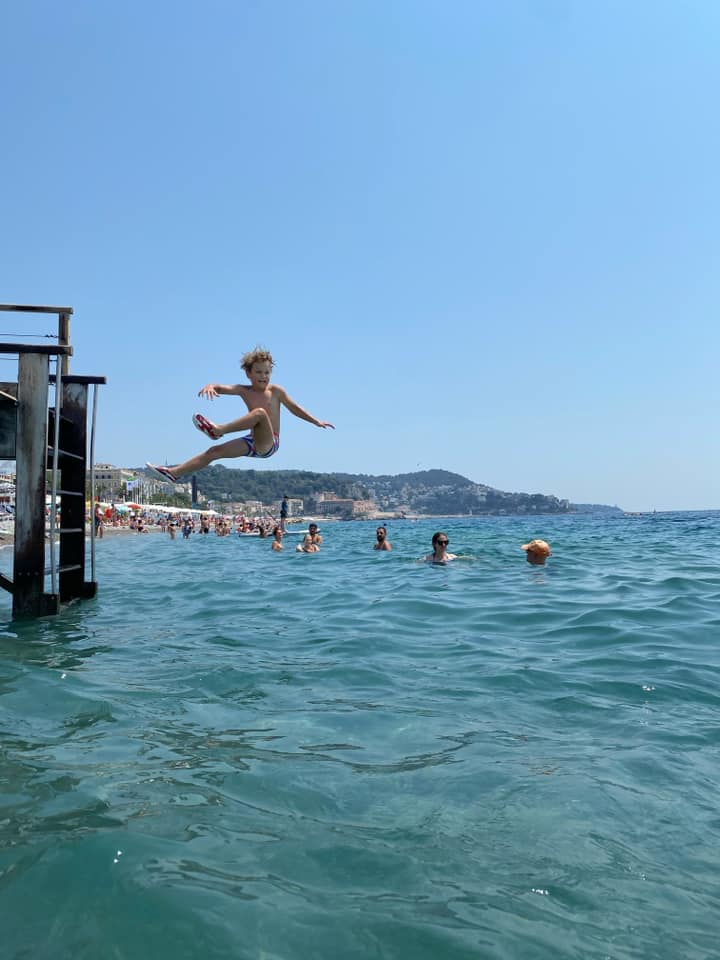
(161, 521)
(199, 522)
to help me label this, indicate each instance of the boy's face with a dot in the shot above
(260, 374)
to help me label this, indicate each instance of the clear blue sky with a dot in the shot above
(481, 236)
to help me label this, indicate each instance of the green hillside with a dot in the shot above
(426, 491)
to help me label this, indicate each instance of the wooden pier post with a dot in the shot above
(64, 339)
(29, 599)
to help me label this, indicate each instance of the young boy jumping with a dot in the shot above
(263, 400)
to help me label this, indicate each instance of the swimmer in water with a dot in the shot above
(307, 546)
(440, 542)
(537, 551)
(382, 541)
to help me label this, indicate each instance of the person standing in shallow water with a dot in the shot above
(382, 541)
(284, 512)
(263, 400)
(440, 543)
(99, 520)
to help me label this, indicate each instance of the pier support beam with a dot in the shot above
(29, 599)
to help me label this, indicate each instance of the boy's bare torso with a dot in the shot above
(268, 399)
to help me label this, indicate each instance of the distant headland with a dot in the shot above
(423, 493)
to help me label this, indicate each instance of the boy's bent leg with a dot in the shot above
(257, 420)
(229, 449)
(263, 433)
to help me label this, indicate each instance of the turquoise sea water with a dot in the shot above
(236, 754)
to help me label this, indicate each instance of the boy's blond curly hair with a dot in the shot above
(259, 354)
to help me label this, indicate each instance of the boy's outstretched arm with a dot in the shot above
(298, 411)
(212, 390)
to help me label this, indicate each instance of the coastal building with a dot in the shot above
(110, 481)
(7, 488)
(364, 508)
(122, 483)
(336, 507)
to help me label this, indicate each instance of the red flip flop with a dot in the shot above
(162, 472)
(205, 426)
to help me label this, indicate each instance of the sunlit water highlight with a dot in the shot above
(237, 754)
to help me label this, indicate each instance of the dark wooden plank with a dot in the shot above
(73, 378)
(64, 340)
(31, 455)
(42, 348)
(60, 570)
(63, 454)
(25, 308)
